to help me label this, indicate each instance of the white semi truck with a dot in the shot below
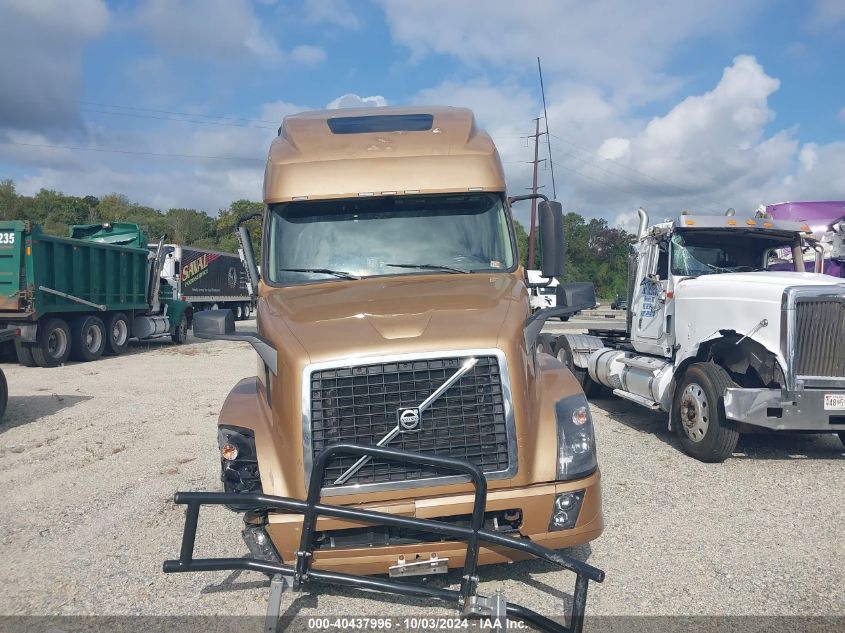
(719, 341)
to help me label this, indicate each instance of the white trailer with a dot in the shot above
(719, 341)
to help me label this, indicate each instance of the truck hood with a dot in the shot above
(707, 306)
(397, 314)
(753, 287)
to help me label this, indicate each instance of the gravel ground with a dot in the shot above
(90, 455)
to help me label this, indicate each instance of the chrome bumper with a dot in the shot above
(780, 410)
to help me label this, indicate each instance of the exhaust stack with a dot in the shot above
(643, 222)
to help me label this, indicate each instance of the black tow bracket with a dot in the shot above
(466, 598)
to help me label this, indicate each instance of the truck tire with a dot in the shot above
(24, 354)
(117, 334)
(545, 343)
(4, 393)
(53, 345)
(180, 334)
(698, 406)
(88, 338)
(590, 388)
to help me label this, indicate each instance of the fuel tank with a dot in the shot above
(643, 376)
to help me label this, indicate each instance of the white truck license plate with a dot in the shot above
(834, 402)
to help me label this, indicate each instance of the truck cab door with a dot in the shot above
(648, 330)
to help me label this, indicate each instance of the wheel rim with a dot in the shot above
(563, 357)
(695, 412)
(119, 332)
(93, 339)
(57, 344)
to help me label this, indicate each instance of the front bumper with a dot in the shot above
(536, 502)
(781, 410)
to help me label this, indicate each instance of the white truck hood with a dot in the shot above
(736, 301)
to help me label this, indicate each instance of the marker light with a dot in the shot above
(731, 222)
(580, 416)
(751, 222)
(689, 222)
(229, 451)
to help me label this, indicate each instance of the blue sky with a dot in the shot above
(664, 104)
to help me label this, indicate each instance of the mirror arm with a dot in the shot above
(261, 345)
(528, 196)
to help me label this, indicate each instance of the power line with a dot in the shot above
(663, 192)
(191, 114)
(659, 181)
(131, 152)
(137, 115)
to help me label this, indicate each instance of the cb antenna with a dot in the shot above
(548, 139)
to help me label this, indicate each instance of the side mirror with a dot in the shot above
(220, 325)
(213, 323)
(551, 238)
(247, 253)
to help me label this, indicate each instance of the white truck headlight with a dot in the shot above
(576, 442)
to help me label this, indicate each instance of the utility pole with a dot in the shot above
(532, 232)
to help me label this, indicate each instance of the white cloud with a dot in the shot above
(841, 115)
(351, 100)
(308, 55)
(162, 182)
(620, 45)
(826, 14)
(224, 29)
(41, 46)
(333, 12)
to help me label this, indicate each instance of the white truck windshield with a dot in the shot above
(394, 235)
(712, 252)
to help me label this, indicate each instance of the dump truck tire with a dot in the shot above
(88, 338)
(698, 406)
(4, 393)
(53, 345)
(117, 334)
(180, 334)
(24, 354)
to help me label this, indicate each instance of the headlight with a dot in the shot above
(238, 461)
(576, 443)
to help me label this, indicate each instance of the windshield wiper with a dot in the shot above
(324, 271)
(430, 267)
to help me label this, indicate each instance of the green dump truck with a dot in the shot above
(85, 295)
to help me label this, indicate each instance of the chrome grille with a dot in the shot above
(360, 403)
(820, 337)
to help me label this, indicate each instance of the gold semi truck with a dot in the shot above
(397, 369)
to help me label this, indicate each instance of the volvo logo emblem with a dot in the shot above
(409, 419)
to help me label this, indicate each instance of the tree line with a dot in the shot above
(594, 251)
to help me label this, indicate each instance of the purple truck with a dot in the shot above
(826, 220)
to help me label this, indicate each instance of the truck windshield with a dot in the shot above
(712, 252)
(394, 235)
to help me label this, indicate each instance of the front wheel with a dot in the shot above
(699, 411)
(117, 334)
(180, 334)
